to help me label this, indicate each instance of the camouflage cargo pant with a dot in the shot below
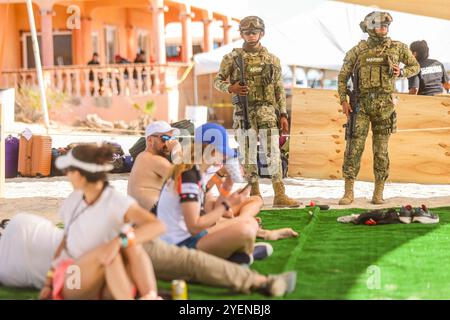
(378, 111)
(263, 127)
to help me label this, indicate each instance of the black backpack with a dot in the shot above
(138, 147)
(185, 125)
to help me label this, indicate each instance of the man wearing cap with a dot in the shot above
(151, 167)
(374, 66)
(266, 105)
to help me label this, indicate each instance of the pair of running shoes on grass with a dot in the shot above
(421, 214)
(407, 214)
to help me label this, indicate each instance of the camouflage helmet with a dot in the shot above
(251, 23)
(374, 20)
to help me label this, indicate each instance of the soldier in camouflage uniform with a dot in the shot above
(266, 105)
(376, 63)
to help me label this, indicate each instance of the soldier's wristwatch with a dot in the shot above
(284, 114)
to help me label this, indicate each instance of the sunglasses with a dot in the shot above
(165, 137)
(249, 33)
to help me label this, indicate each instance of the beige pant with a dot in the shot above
(171, 262)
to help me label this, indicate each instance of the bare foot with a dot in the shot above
(282, 233)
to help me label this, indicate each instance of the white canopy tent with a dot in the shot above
(319, 37)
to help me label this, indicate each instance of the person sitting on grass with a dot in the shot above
(29, 242)
(99, 240)
(182, 204)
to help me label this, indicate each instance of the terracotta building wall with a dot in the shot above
(143, 20)
(59, 18)
(10, 57)
(114, 17)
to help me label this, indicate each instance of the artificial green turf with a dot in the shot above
(344, 261)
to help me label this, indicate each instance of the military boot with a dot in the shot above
(378, 192)
(348, 196)
(255, 189)
(281, 200)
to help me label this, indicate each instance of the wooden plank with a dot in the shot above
(419, 151)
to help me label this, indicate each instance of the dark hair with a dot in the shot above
(421, 49)
(95, 54)
(90, 153)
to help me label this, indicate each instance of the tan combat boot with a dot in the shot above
(281, 200)
(255, 189)
(378, 192)
(348, 196)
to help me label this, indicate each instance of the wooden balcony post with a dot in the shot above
(77, 82)
(139, 80)
(87, 83)
(114, 77)
(97, 87)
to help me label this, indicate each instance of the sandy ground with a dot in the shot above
(43, 196)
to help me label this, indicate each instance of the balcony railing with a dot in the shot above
(95, 80)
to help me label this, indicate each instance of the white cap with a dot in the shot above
(68, 160)
(160, 127)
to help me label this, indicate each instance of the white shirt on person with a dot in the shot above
(89, 226)
(191, 189)
(27, 247)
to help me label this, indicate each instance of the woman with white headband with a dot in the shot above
(100, 255)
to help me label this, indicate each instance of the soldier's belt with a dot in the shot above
(252, 104)
(376, 95)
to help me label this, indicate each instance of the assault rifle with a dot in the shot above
(350, 126)
(242, 100)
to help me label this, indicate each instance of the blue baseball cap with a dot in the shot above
(215, 134)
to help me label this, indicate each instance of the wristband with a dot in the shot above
(224, 192)
(131, 236)
(216, 180)
(226, 205)
(124, 240)
(127, 236)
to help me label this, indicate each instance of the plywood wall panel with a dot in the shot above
(419, 151)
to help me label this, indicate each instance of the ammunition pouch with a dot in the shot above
(394, 122)
(386, 126)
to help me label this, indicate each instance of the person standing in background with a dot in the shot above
(432, 77)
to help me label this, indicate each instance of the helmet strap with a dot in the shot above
(253, 46)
